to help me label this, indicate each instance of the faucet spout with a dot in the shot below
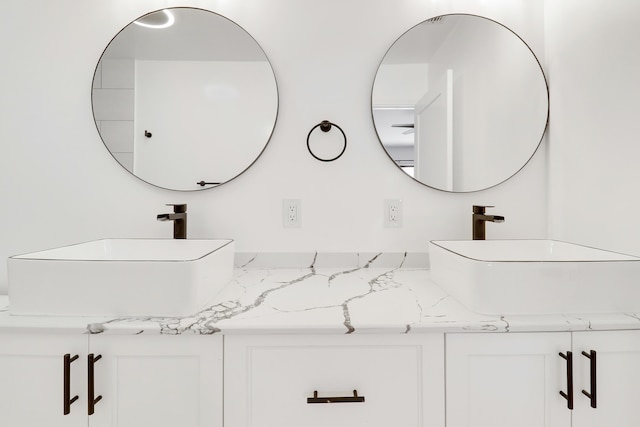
(179, 218)
(490, 218)
(480, 218)
(171, 216)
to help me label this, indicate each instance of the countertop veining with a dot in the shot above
(367, 293)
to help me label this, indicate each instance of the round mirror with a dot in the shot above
(460, 103)
(184, 99)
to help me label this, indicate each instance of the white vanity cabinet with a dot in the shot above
(157, 381)
(32, 380)
(135, 380)
(506, 380)
(342, 381)
(617, 379)
(515, 379)
(312, 380)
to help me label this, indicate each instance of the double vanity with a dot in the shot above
(189, 333)
(340, 339)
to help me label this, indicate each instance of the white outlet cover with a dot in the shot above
(291, 213)
(392, 213)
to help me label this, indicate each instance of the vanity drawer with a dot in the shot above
(346, 380)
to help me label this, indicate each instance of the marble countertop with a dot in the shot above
(377, 294)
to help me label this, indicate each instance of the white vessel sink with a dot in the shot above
(120, 277)
(535, 276)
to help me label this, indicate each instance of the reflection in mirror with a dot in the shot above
(182, 96)
(460, 103)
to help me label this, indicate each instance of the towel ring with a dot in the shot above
(325, 126)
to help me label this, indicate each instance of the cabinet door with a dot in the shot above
(339, 381)
(507, 380)
(617, 375)
(32, 380)
(157, 381)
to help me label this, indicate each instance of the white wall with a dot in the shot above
(593, 62)
(59, 185)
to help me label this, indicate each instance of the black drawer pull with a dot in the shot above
(569, 394)
(67, 399)
(592, 368)
(347, 399)
(91, 384)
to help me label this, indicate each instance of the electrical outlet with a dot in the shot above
(393, 213)
(291, 213)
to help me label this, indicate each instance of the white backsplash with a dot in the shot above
(276, 260)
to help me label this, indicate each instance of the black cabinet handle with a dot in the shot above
(67, 399)
(569, 394)
(91, 383)
(347, 399)
(592, 368)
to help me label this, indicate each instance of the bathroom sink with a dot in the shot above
(535, 276)
(120, 277)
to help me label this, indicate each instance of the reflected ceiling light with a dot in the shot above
(156, 20)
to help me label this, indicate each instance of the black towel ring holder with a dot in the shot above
(325, 126)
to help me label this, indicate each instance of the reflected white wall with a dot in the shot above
(209, 120)
(113, 102)
(500, 95)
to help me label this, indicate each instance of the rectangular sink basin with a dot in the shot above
(535, 277)
(120, 277)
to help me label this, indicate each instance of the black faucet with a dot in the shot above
(179, 218)
(480, 219)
